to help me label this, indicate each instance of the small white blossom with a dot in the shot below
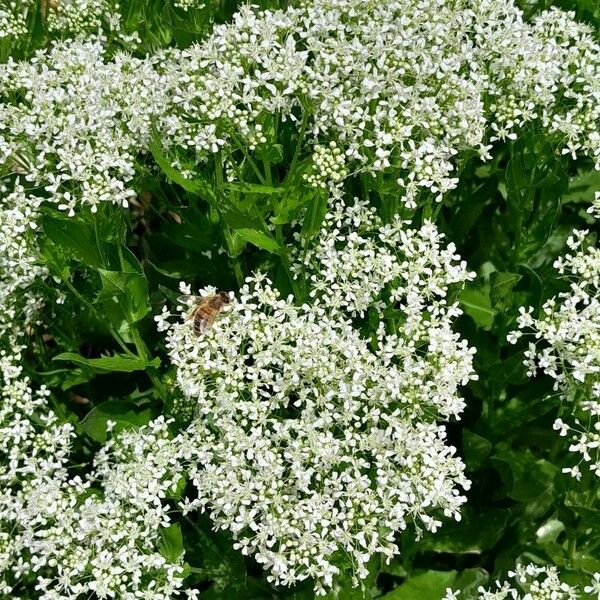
(530, 582)
(566, 346)
(308, 442)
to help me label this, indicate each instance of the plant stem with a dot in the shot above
(151, 371)
(237, 268)
(93, 310)
(303, 126)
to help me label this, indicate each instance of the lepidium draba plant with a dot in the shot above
(64, 535)
(314, 446)
(566, 346)
(532, 582)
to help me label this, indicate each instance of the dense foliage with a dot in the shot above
(400, 397)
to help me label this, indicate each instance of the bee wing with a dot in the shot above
(188, 299)
(191, 304)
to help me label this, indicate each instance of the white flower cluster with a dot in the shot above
(357, 263)
(396, 85)
(80, 537)
(309, 444)
(13, 19)
(532, 582)
(67, 536)
(78, 17)
(186, 5)
(567, 346)
(18, 269)
(81, 123)
(64, 18)
(402, 84)
(30, 456)
(327, 166)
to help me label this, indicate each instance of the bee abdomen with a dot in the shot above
(202, 320)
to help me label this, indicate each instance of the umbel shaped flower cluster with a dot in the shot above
(398, 86)
(566, 347)
(402, 85)
(73, 537)
(19, 271)
(533, 582)
(310, 442)
(64, 17)
(100, 119)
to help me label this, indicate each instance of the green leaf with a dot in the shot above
(474, 534)
(582, 187)
(119, 362)
(259, 239)
(74, 238)
(128, 289)
(430, 585)
(524, 475)
(126, 415)
(273, 153)
(222, 564)
(195, 186)
(236, 219)
(475, 301)
(476, 449)
(129, 261)
(315, 214)
(549, 531)
(468, 581)
(501, 286)
(170, 545)
(253, 188)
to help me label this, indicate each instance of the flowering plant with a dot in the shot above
(382, 378)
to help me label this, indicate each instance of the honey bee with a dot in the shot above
(204, 309)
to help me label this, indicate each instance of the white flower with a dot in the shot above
(81, 536)
(567, 347)
(530, 582)
(308, 442)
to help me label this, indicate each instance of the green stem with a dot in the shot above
(151, 371)
(296, 156)
(237, 268)
(93, 310)
(267, 168)
(251, 162)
